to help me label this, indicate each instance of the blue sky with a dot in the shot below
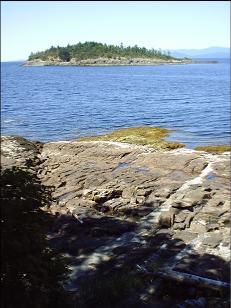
(30, 26)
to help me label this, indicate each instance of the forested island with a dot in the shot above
(93, 53)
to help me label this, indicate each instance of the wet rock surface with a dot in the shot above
(121, 205)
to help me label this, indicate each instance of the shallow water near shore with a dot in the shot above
(65, 103)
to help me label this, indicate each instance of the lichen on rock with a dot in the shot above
(147, 135)
(215, 149)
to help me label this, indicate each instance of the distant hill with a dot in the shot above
(206, 53)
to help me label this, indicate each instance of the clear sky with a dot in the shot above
(30, 26)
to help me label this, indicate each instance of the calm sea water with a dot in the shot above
(65, 103)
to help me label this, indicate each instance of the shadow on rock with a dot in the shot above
(110, 266)
(115, 279)
(30, 270)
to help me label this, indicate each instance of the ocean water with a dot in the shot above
(65, 103)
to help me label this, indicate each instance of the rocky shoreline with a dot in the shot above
(120, 205)
(112, 62)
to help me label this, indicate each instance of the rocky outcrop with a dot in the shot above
(111, 198)
(110, 62)
(103, 62)
(17, 151)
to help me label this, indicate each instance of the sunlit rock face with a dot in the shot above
(112, 198)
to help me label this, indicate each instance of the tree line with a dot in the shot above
(89, 50)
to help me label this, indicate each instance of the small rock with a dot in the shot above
(224, 220)
(180, 217)
(211, 227)
(185, 236)
(87, 193)
(182, 205)
(212, 240)
(133, 200)
(166, 219)
(128, 192)
(179, 226)
(143, 192)
(195, 197)
(140, 199)
(197, 227)
(164, 192)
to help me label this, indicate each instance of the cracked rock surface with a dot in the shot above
(111, 198)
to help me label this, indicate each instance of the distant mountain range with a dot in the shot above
(211, 52)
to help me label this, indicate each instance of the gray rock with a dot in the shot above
(180, 217)
(166, 219)
(185, 235)
(128, 192)
(105, 184)
(179, 226)
(212, 227)
(212, 240)
(197, 227)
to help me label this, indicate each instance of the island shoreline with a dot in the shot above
(96, 63)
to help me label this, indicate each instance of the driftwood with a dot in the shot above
(198, 281)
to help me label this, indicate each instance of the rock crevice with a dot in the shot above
(143, 193)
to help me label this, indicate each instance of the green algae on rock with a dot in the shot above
(146, 135)
(215, 149)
